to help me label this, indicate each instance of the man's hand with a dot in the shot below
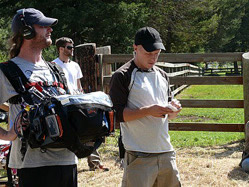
(175, 103)
(159, 111)
(152, 110)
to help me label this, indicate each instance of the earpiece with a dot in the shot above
(27, 31)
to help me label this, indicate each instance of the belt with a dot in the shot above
(143, 154)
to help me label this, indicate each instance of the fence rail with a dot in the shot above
(213, 71)
(180, 57)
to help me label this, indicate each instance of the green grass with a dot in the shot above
(209, 115)
(212, 115)
(180, 139)
(212, 92)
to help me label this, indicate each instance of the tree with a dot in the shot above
(185, 25)
(102, 22)
(230, 14)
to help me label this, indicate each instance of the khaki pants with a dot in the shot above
(150, 170)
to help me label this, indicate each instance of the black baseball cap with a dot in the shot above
(31, 16)
(149, 38)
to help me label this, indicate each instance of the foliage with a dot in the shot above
(230, 15)
(50, 53)
(4, 35)
(185, 26)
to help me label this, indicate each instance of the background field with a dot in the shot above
(203, 158)
(212, 115)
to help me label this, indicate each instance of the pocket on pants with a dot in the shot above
(130, 158)
(134, 158)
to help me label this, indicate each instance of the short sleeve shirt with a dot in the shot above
(33, 157)
(134, 88)
(72, 73)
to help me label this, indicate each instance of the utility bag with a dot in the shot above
(71, 121)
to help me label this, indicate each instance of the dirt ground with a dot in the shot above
(209, 166)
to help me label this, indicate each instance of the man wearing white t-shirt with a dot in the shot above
(73, 75)
(71, 69)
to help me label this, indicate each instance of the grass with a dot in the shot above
(216, 115)
(200, 161)
(180, 139)
(209, 115)
(212, 92)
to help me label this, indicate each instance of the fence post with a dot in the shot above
(85, 55)
(105, 69)
(245, 61)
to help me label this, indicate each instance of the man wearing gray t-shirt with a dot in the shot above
(142, 99)
(52, 167)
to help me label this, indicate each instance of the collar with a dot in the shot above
(69, 60)
(143, 70)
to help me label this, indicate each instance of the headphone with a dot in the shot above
(27, 31)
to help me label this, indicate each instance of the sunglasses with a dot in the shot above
(69, 47)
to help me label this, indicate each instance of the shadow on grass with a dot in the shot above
(84, 170)
(229, 149)
(238, 174)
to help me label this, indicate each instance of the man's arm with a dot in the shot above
(8, 135)
(153, 110)
(79, 86)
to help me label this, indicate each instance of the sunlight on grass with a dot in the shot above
(212, 92)
(209, 115)
(212, 115)
(181, 139)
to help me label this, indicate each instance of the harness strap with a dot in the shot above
(21, 84)
(60, 75)
(54, 84)
(17, 79)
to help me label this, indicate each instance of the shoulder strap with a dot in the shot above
(18, 80)
(15, 75)
(60, 75)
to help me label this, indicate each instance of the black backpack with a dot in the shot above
(60, 125)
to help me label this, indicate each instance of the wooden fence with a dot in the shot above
(105, 61)
(179, 69)
(219, 71)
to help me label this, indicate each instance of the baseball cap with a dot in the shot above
(149, 38)
(31, 16)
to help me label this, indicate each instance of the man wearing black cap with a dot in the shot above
(142, 99)
(36, 168)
